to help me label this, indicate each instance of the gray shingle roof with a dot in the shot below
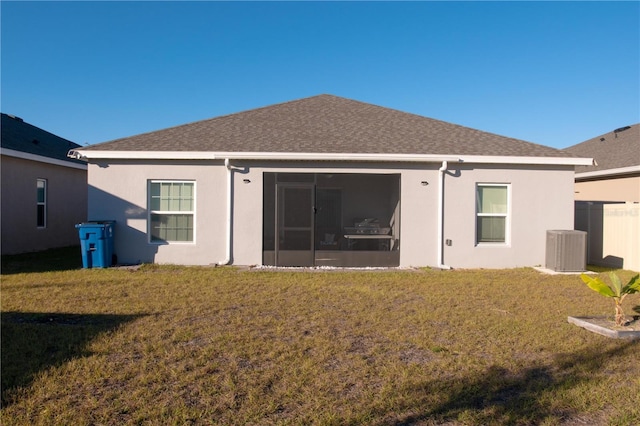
(617, 149)
(328, 124)
(24, 137)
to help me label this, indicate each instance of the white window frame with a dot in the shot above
(42, 203)
(170, 212)
(507, 216)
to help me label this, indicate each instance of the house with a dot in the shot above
(615, 176)
(608, 197)
(329, 181)
(44, 193)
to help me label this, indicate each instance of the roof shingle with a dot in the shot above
(24, 137)
(613, 150)
(328, 124)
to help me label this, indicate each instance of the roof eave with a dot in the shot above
(306, 156)
(622, 171)
(42, 159)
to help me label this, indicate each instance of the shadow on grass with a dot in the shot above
(33, 342)
(60, 259)
(500, 396)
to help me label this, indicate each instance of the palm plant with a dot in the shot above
(615, 290)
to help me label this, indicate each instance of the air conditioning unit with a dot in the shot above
(566, 251)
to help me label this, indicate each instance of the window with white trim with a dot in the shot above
(492, 213)
(171, 211)
(41, 203)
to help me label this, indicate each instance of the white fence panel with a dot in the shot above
(613, 233)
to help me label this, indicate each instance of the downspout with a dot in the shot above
(441, 172)
(227, 259)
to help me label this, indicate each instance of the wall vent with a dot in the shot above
(566, 251)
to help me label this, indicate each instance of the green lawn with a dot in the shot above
(191, 345)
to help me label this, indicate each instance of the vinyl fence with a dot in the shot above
(613, 233)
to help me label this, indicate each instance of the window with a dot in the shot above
(41, 203)
(171, 211)
(492, 213)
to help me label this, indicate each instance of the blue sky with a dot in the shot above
(554, 73)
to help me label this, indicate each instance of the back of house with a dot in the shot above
(329, 181)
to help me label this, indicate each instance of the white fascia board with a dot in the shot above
(303, 156)
(313, 156)
(609, 172)
(41, 159)
(141, 155)
(282, 156)
(555, 161)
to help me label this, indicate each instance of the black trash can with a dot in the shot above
(96, 243)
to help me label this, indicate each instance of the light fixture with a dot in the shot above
(246, 180)
(424, 183)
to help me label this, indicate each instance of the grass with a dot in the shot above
(191, 345)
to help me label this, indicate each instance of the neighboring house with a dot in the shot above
(328, 181)
(608, 197)
(615, 176)
(44, 193)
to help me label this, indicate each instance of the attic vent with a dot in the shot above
(621, 129)
(35, 141)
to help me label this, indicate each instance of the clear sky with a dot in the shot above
(553, 73)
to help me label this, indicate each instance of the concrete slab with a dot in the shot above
(601, 326)
(552, 272)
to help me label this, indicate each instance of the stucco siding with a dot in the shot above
(66, 205)
(418, 207)
(625, 189)
(118, 191)
(541, 200)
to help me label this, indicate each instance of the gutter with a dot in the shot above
(75, 154)
(608, 173)
(441, 172)
(317, 156)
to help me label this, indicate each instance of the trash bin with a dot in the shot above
(96, 243)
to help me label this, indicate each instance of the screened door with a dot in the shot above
(295, 225)
(331, 219)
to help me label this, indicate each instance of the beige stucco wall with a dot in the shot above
(619, 190)
(542, 200)
(66, 205)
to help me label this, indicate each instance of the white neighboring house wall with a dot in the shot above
(541, 200)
